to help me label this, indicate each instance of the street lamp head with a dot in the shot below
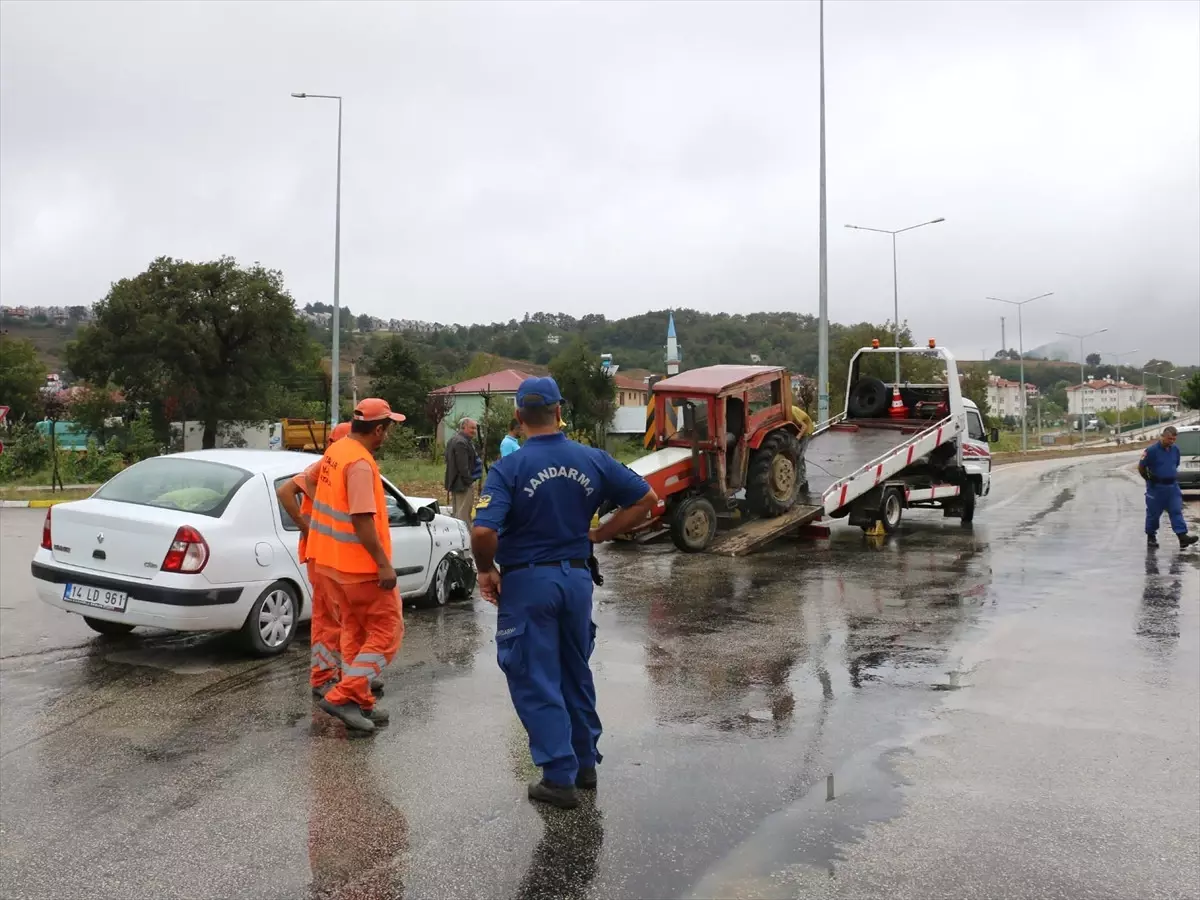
(299, 96)
(935, 221)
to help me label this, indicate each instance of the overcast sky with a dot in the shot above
(616, 157)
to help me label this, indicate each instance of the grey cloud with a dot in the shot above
(612, 157)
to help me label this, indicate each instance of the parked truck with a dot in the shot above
(738, 455)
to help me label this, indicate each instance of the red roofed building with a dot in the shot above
(467, 398)
(1004, 396)
(1097, 396)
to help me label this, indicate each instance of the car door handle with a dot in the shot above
(409, 570)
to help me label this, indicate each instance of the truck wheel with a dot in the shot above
(967, 502)
(694, 525)
(772, 482)
(891, 510)
(869, 399)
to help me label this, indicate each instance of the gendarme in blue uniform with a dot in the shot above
(540, 502)
(1160, 467)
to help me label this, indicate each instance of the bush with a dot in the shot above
(400, 444)
(140, 441)
(97, 464)
(26, 452)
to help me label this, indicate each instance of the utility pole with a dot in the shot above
(823, 262)
(1003, 339)
(1020, 305)
(353, 385)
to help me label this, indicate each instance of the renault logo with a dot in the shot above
(100, 538)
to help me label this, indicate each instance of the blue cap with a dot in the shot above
(538, 392)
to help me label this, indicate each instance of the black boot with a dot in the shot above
(1152, 540)
(377, 715)
(586, 779)
(1186, 540)
(564, 796)
(348, 712)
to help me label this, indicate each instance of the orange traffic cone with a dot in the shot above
(898, 409)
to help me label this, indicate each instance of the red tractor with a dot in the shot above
(725, 439)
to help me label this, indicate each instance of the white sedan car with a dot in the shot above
(199, 542)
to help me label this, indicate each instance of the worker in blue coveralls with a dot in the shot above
(1159, 467)
(532, 541)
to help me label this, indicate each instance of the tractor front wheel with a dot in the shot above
(693, 525)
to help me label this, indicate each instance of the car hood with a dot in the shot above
(449, 531)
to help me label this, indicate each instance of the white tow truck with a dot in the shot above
(896, 447)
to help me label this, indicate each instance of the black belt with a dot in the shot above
(573, 563)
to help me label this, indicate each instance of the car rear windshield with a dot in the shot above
(189, 485)
(1188, 443)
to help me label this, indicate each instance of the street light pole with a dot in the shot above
(1081, 338)
(895, 283)
(335, 350)
(1118, 356)
(823, 264)
(1020, 304)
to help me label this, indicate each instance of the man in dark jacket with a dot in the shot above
(463, 469)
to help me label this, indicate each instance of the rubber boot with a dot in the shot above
(320, 691)
(1152, 540)
(586, 779)
(564, 796)
(377, 715)
(377, 687)
(348, 713)
(1186, 540)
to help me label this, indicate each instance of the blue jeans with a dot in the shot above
(1166, 498)
(544, 639)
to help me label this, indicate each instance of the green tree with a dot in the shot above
(1093, 359)
(211, 334)
(1190, 395)
(974, 387)
(92, 407)
(590, 395)
(21, 378)
(400, 378)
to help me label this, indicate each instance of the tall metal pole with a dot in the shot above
(895, 282)
(335, 322)
(1081, 338)
(1020, 305)
(823, 264)
(896, 307)
(1119, 383)
(335, 388)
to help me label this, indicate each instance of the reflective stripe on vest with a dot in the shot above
(331, 538)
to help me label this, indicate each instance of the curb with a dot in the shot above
(30, 504)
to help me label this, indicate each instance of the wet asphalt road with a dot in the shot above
(1008, 711)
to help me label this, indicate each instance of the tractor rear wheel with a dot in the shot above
(773, 479)
(693, 524)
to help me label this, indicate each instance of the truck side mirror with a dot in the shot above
(994, 435)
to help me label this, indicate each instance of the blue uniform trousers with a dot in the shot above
(544, 639)
(1162, 498)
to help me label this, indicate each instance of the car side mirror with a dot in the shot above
(994, 435)
(425, 514)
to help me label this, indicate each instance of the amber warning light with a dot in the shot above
(932, 343)
(875, 343)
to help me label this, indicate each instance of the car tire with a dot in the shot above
(108, 629)
(439, 587)
(773, 479)
(693, 525)
(869, 399)
(273, 620)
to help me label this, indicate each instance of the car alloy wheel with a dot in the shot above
(441, 582)
(276, 618)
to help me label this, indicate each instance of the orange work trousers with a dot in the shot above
(326, 633)
(372, 629)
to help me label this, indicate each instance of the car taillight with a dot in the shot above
(188, 553)
(46, 543)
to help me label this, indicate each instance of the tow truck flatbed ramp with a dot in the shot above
(844, 447)
(756, 532)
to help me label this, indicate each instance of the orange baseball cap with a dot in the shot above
(375, 410)
(340, 430)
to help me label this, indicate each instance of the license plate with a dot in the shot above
(101, 598)
(1191, 463)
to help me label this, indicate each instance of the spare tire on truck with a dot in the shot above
(869, 399)
(773, 479)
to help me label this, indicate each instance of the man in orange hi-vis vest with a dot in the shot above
(296, 497)
(349, 538)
